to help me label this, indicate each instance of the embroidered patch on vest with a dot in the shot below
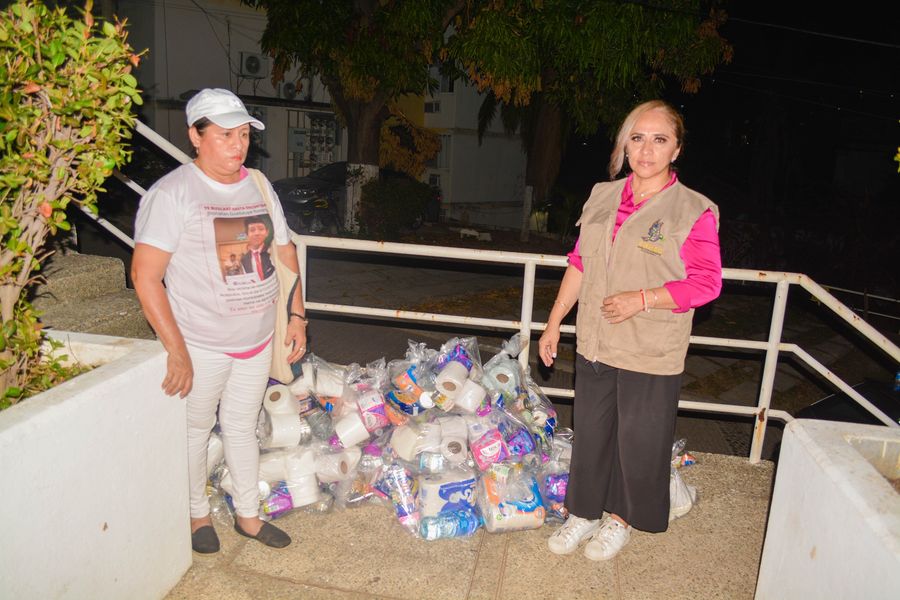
(654, 234)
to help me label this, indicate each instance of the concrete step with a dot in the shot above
(116, 314)
(74, 277)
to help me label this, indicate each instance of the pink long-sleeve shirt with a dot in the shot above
(700, 254)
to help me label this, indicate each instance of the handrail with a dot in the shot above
(773, 345)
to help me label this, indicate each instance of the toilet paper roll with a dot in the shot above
(454, 449)
(450, 380)
(304, 490)
(279, 400)
(510, 514)
(215, 452)
(503, 378)
(404, 441)
(303, 385)
(429, 438)
(452, 427)
(470, 397)
(272, 466)
(329, 382)
(337, 467)
(351, 430)
(284, 431)
(454, 490)
(299, 464)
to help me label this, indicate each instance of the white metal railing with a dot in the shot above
(866, 297)
(164, 145)
(773, 346)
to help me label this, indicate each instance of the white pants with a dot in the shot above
(236, 388)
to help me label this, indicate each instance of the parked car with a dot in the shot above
(311, 203)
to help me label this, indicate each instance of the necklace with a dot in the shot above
(644, 195)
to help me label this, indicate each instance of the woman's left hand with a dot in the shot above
(621, 307)
(296, 335)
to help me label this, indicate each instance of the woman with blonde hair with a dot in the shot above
(647, 255)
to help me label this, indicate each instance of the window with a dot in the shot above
(432, 107)
(446, 84)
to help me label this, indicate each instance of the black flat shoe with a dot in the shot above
(268, 534)
(205, 540)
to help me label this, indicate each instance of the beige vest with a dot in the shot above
(645, 255)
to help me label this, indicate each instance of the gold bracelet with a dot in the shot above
(655, 299)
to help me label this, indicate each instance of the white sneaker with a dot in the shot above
(566, 539)
(608, 540)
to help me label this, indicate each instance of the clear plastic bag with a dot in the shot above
(396, 483)
(462, 350)
(322, 379)
(503, 375)
(411, 439)
(682, 496)
(554, 481)
(511, 503)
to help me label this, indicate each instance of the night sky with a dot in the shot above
(795, 141)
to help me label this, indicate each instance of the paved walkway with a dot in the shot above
(712, 552)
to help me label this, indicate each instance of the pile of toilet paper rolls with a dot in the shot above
(454, 437)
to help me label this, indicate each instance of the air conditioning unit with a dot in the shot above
(288, 90)
(254, 66)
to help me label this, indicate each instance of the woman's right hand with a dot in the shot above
(547, 345)
(179, 373)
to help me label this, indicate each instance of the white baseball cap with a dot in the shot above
(221, 107)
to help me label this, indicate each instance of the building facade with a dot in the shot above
(194, 44)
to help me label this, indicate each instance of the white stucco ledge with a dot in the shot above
(94, 500)
(834, 521)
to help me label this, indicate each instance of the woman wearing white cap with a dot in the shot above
(217, 331)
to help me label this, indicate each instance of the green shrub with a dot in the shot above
(391, 206)
(66, 97)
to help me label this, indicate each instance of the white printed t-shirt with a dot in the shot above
(201, 222)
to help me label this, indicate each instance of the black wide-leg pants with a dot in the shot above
(624, 425)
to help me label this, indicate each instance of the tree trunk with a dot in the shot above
(544, 154)
(363, 120)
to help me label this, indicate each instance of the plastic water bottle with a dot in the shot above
(371, 459)
(320, 423)
(459, 523)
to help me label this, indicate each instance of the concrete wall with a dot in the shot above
(94, 500)
(834, 522)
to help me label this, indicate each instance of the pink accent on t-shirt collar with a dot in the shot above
(244, 172)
